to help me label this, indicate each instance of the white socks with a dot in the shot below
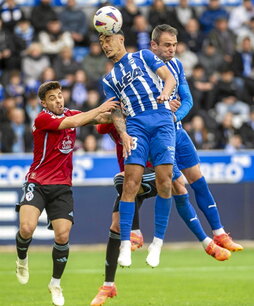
(55, 282)
(219, 231)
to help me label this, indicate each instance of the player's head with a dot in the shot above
(113, 45)
(50, 94)
(164, 41)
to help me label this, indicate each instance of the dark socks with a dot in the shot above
(60, 255)
(112, 256)
(22, 246)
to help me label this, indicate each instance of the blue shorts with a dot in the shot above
(153, 134)
(186, 153)
(176, 172)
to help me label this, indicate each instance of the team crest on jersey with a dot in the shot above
(67, 145)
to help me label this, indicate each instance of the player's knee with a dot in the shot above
(164, 188)
(115, 228)
(178, 188)
(27, 229)
(132, 187)
(62, 237)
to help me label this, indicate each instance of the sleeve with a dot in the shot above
(152, 60)
(108, 90)
(104, 128)
(48, 122)
(184, 94)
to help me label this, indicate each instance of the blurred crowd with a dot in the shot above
(42, 43)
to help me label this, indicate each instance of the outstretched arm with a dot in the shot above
(120, 125)
(87, 117)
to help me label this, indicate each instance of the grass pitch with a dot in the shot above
(184, 277)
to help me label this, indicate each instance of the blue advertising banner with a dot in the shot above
(100, 168)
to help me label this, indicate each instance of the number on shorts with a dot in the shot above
(134, 143)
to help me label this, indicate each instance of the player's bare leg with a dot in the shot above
(28, 218)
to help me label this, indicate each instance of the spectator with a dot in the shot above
(129, 11)
(48, 74)
(79, 89)
(94, 63)
(227, 85)
(230, 104)
(90, 143)
(10, 14)
(210, 59)
(181, 15)
(247, 131)
(192, 36)
(16, 135)
(15, 88)
(234, 144)
(75, 22)
(64, 63)
(33, 64)
(211, 14)
(41, 15)
(202, 89)
(223, 39)
(93, 100)
(243, 66)
(247, 31)
(10, 48)
(54, 39)
(142, 32)
(225, 131)
(5, 107)
(202, 139)
(159, 14)
(240, 16)
(188, 58)
(25, 31)
(32, 109)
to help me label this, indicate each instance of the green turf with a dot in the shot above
(185, 277)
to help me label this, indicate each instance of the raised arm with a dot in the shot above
(169, 83)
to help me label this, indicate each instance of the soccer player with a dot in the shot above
(48, 182)
(148, 131)
(163, 44)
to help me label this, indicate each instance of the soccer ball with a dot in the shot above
(108, 20)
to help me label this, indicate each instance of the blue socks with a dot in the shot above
(126, 211)
(162, 211)
(189, 216)
(206, 203)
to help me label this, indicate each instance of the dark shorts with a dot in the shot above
(57, 200)
(147, 183)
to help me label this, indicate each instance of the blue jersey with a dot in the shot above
(134, 82)
(182, 89)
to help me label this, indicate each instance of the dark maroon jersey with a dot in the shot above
(53, 149)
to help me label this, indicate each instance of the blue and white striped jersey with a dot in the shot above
(134, 82)
(182, 89)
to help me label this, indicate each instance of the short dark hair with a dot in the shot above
(45, 87)
(158, 30)
(120, 32)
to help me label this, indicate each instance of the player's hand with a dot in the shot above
(174, 105)
(162, 98)
(127, 143)
(109, 105)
